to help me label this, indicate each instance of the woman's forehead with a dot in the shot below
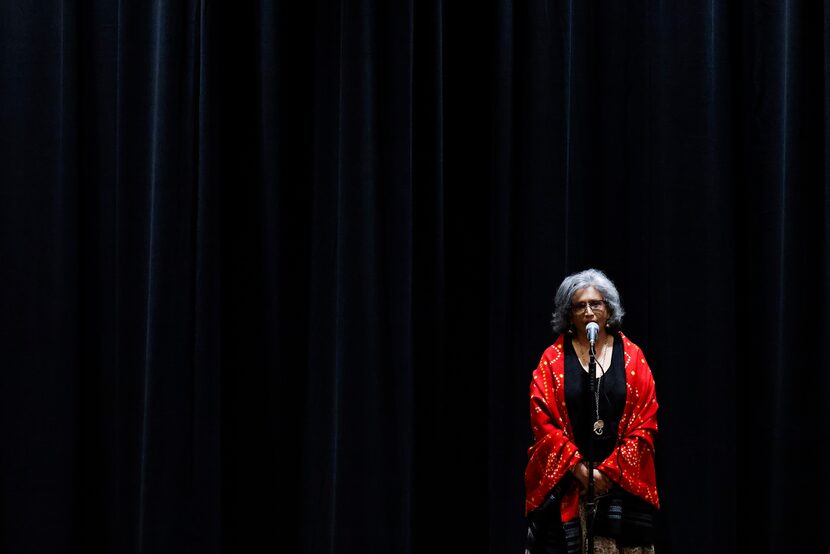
(588, 293)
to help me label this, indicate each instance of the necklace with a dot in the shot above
(584, 357)
(598, 423)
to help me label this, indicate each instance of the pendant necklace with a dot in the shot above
(598, 424)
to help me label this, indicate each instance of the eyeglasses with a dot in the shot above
(595, 305)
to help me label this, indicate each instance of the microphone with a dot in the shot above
(593, 330)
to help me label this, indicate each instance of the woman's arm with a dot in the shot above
(554, 452)
(631, 464)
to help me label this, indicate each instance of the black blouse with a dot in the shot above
(620, 515)
(582, 405)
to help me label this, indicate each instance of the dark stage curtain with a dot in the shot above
(274, 276)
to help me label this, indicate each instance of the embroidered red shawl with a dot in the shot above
(630, 465)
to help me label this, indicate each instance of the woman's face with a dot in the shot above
(582, 313)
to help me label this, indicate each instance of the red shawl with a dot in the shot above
(630, 465)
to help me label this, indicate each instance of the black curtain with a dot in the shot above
(275, 276)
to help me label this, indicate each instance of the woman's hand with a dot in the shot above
(602, 483)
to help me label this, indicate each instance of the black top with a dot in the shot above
(582, 405)
(620, 515)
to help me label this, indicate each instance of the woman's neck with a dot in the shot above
(602, 349)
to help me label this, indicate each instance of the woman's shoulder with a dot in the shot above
(628, 344)
(554, 350)
(552, 354)
(634, 354)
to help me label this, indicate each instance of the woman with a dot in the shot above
(614, 426)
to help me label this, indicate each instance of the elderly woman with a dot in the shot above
(614, 426)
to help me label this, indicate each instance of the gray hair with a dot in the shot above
(582, 280)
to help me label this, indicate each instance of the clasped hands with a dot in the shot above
(602, 483)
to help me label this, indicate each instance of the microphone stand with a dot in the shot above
(590, 501)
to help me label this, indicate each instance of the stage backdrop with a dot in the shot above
(275, 275)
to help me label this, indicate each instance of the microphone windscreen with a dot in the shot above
(593, 330)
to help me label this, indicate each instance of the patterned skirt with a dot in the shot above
(605, 545)
(612, 513)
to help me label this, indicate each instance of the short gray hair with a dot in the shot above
(582, 280)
